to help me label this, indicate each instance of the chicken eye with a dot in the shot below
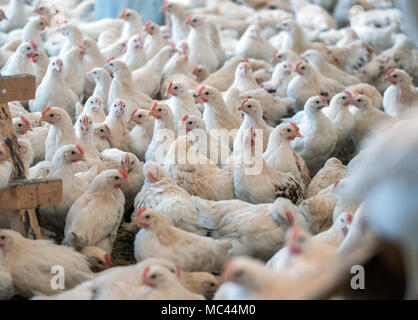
(206, 93)
(288, 130)
(212, 284)
(249, 106)
(51, 115)
(317, 102)
(194, 20)
(343, 98)
(101, 262)
(175, 88)
(140, 116)
(101, 130)
(302, 239)
(279, 56)
(159, 110)
(154, 276)
(395, 76)
(72, 152)
(147, 216)
(128, 14)
(2, 237)
(19, 124)
(169, 6)
(190, 122)
(116, 178)
(359, 100)
(303, 68)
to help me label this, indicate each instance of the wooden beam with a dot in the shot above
(7, 132)
(21, 199)
(20, 87)
(30, 194)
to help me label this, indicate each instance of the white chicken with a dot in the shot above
(319, 135)
(190, 251)
(161, 193)
(93, 220)
(32, 264)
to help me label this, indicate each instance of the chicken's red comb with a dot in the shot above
(390, 71)
(147, 25)
(25, 121)
(201, 89)
(108, 260)
(290, 218)
(151, 177)
(62, 22)
(185, 118)
(190, 17)
(127, 159)
(323, 99)
(244, 102)
(123, 13)
(86, 119)
(294, 125)
(140, 211)
(165, 3)
(123, 173)
(293, 233)
(80, 149)
(110, 59)
(298, 65)
(349, 218)
(195, 68)
(169, 86)
(82, 47)
(178, 271)
(245, 58)
(275, 52)
(133, 112)
(45, 111)
(348, 93)
(154, 106)
(172, 45)
(98, 100)
(107, 128)
(146, 270)
(336, 183)
(34, 45)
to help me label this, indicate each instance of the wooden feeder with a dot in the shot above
(20, 198)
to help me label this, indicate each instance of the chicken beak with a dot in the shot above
(299, 135)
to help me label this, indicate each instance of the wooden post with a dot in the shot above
(21, 202)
